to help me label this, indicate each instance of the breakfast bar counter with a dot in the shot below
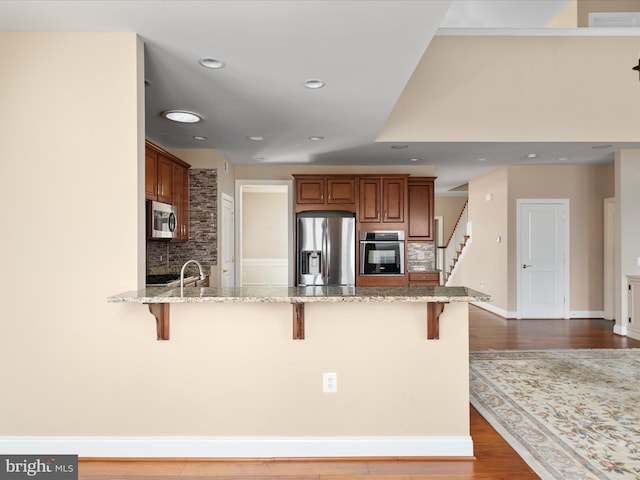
(335, 294)
(398, 358)
(159, 299)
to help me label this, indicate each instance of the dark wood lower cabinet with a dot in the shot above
(424, 279)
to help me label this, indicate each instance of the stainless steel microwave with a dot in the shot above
(161, 220)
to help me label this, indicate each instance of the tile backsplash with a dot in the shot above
(421, 256)
(166, 256)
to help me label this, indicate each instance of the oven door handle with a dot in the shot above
(387, 242)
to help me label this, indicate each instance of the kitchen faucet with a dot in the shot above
(202, 276)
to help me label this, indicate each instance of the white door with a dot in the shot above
(543, 258)
(228, 235)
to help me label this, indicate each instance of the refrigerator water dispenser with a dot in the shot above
(311, 262)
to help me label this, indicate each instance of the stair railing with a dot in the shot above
(456, 243)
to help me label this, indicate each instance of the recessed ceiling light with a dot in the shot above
(259, 159)
(316, 138)
(532, 155)
(211, 63)
(562, 159)
(602, 146)
(182, 116)
(399, 147)
(314, 83)
(199, 137)
(414, 159)
(482, 159)
(255, 138)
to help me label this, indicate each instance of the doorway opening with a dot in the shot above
(264, 236)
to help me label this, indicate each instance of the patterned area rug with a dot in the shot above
(570, 414)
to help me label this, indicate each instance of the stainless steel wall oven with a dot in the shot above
(382, 252)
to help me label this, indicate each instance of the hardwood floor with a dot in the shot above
(495, 459)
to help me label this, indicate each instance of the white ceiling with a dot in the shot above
(364, 50)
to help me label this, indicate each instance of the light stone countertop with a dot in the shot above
(300, 295)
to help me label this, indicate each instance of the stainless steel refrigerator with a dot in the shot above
(326, 248)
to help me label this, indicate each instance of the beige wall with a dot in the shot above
(72, 170)
(627, 240)
(503, 88)
(264, 219)
(235, 370)
(492, 267)
(586, 188)
(485, 265)
(587, 6)
(449, 208)
(72, 149)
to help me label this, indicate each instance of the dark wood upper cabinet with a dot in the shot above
(165, 167)
(180, 200)
(167, 180)
(310, 190)
(393, 194)
(323, 192)
(420, 197)
(369, 204)
(151, 175)
(382, 199)
(341, 190)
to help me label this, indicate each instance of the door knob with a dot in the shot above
(225, 271)
(524, 265)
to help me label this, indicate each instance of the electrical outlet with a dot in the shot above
(329, 382)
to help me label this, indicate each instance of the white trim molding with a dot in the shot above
(490, 307)
(240, 447)
(587, 314)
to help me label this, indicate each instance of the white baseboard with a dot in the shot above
(240, 447)
(620, 330)
(490, 307)
(631, 333)
(587, 314)
(505, 314)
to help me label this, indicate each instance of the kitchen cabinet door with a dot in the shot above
(165, 167)
(382, 199)
(151, 175)
(370, 199)
(310, 190)
(420, 199)
(180, 200)
(393, 199)
(341, 190)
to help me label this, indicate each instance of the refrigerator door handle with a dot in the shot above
(327, 249)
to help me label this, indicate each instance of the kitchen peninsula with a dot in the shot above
(398, 393)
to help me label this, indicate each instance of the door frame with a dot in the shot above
(223, 221)
(567, 250)
(239, 186)
(609, 258)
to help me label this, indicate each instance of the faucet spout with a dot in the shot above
(202, 276)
